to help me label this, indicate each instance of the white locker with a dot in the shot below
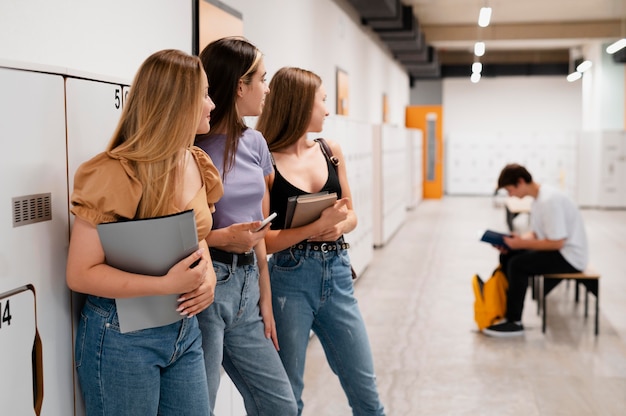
(390, 181)
(613, 168)
(93, 109)
(33, 248)
(414, 156)
(19, 344)
(602, 169)
(356, 144)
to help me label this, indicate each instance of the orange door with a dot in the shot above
(428, 118)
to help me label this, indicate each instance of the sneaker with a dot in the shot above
(504, 329)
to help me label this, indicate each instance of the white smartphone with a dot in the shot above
(266, 221)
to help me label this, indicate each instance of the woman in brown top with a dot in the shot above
(149, 169)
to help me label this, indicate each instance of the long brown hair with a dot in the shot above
(226, 61)
(158, 124)
(288, 107)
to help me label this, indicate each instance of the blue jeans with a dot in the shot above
(312, 290)
(233, 336)
(147, 372)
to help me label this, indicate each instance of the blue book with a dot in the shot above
(494, 238)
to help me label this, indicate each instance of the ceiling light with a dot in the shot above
(475, 77)
(574, 76)
(479, 48)
(616, 46)
(484, 16)
(583, 66)
(477, 67)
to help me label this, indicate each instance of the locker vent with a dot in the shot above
(29, 209)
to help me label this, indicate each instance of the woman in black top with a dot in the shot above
(310, 269)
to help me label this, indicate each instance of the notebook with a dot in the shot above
(304, 209)
(148, 246)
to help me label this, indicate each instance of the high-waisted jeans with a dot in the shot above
(155, 371)
(233, 336)
(312, 290)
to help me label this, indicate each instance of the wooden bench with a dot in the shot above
(588, 278)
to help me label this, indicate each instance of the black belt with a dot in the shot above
(225, 257)
(323, 247)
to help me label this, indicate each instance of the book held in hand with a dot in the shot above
(149, 246)
(494, 238)
(304, 209)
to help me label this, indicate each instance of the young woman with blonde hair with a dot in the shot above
(150, 168)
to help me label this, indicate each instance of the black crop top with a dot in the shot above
(283, 189)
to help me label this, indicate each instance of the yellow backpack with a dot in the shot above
(490, 298)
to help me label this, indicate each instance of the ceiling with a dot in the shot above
(524, 36)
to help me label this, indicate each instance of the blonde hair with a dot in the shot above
(288, 107)
(158, 124)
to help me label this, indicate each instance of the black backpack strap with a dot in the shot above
(327, 152)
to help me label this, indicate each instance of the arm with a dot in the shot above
(265, 301)
(520, 243)
(88, 273)
(236, 238)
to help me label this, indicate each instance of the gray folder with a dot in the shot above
(148, 246)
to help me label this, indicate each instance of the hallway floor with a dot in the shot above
(417, 301)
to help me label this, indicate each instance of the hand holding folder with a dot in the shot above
(148, 246)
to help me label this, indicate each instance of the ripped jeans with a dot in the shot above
(312, 290)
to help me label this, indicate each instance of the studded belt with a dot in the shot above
(323, 247)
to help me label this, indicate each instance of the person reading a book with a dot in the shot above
(557, 243)
(238, 330)
(150, 169)
(311, 277)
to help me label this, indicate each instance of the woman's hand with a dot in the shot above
(194, 302)
(331, 220)
(194, 277)
(237, 238)
(267, 314)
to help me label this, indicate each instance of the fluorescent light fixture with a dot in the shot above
(583, 66)
(574, 76)
(616, 46)
(484, 16)
(479, 48)
(475, 77)
(477, 67)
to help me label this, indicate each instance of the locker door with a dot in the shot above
(613, 187)
(33, 247)
(18, 347)
(93, 109)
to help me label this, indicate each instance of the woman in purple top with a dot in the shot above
(238, 330)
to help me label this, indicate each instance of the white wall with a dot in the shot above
(529, 120)
(321, 35)
(101, 37)
(511, 104)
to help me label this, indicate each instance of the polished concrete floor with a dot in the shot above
(417, 302)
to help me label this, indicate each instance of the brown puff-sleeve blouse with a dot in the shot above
(106, 189)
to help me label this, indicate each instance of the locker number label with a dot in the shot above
(118, 98)
(5, 311)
